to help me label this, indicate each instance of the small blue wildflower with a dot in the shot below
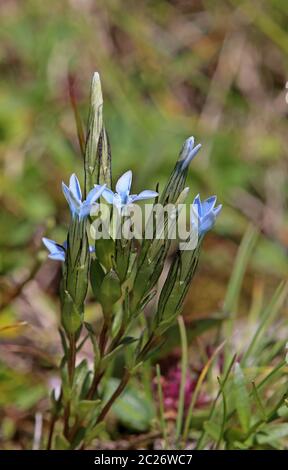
(73, 196)
(206, 213)
(58, 252)
(189, 152)
(122, 197)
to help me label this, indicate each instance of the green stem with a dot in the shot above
(98, 374)
(51, 431)
(71, 371)
(114, 397)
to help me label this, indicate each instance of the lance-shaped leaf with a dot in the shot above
(154, 252)
(123, 251)
(97, 275)
(241, 398)
(175, 289)
(97, 150)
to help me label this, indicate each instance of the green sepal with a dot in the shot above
(97, 275)
(71, 318)
(110, 291)
(105, 252)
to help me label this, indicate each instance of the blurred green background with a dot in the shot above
(169, 69)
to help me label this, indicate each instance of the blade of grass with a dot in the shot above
(267, 317)
(77, 117)
(184, 369)
(258, 401)
(211, 414)
(265, 381)
(241, 398)
(224, 414)
(161, 406)
(271, 374)
(235, 284)
(243, 255)
(197, 390)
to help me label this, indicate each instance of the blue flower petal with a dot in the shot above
(192, 153)
(208, 204)
(206, 213)
(50, 244)
(56, 251)
(85, 210)
(117, 201)
(94, 194)
(75, 188)
(107, 194)
(198, 205)
(124, 184)
(57, 256)
(146, 194)
(217, 210)
(207, 222)
(74, 203)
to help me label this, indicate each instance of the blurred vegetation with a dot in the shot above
(169, 69)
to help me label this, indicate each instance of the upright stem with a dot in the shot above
(71, 370)
(51, 431)
(71, 358)
(96, 379)
(53, 419)
(116, 394)
(98, 374)
(103, 337)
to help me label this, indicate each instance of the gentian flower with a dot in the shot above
(73, 195)
(57, 251)
(122, 197)
(206, 213)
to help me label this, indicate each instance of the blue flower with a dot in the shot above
(122, 197)
(189, 152)
(73, 195)
(206, 213)
(57, 251)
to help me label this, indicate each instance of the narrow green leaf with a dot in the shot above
(241, 397)
(267, 317)
(273, 432)
(184, 370)
(240, 265)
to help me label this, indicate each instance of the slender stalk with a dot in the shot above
(72, 358)
(51, 431)
(212, 410)
(199, 383)
(103, 337)
(53, 419)
(95, 382)
(161, 406)
(98, 374)
(71, 370)
(184, 369)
